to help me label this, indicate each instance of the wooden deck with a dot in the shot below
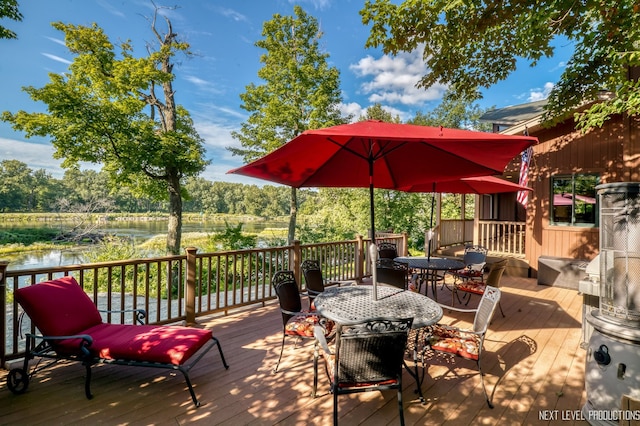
(533, 363)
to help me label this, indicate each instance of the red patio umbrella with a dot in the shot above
(385, 155)
(471, 185)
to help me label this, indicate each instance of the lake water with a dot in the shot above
(138, 231)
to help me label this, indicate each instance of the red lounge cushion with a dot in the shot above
(163, 344)
(463, 344)
(302, 325)
(58, 307)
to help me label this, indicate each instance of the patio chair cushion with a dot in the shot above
(475, 287)
(472, 271)
(142, 343)
(457, 342)
(60, 307)
(302, 325)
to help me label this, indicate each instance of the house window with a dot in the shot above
(574, 200)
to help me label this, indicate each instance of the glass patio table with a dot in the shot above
(429, 266)
(351, 304)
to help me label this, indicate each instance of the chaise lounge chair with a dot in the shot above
(71, 328)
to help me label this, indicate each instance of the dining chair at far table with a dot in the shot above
(313, 279)
(366, 356)
(469, 287)
(474, 259)
(390, 272)
(461, 342)
(295, 322)
(387, 250)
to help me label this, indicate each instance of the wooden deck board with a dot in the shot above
(533, 361)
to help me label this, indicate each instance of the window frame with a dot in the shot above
(573, 223)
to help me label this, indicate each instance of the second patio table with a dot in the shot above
(346, 305)
(431, 265)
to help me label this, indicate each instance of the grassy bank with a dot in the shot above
(24, 232)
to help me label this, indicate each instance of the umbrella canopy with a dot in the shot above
(385, 155)
(471, 185)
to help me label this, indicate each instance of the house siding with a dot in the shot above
(613, 152)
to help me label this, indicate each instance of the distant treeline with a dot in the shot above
(25, 190)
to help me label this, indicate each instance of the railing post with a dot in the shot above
(3, 314)
(190, 286)
(476, 222)
(405, 244)
(359, 258)
(296, 255)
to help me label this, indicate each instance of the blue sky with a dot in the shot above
(222, 33)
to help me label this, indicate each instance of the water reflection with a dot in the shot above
(138, 231)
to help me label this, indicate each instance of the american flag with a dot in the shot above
(523, 196)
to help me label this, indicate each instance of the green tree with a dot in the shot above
(453, 113)
(96, 113)
(376, 112)
(15, 185)
(45, 190)
(300, 91)
(9, 9)
(470, 45)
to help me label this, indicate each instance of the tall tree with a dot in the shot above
(471, 45)
(454, 113)
(15, 185)
(96, 113)
(9, 9)
(300, 91)
(376, 112)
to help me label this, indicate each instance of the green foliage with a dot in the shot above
(469, 45)
(231, 238)
(9, 9)
(105, 111)
(377, 112)
(113, 248)
(122, 279)
(27, 236)
(453, 113)
(300, 91)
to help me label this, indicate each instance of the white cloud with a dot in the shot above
(317, 4)
(111, 9)
(204, 85)
(57, 58)
(36, 155)
(353, 109)
(538, 94)
(56, 40)
(230, 13)
(393, 79)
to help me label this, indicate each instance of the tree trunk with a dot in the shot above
(293, 215)
(174, 231)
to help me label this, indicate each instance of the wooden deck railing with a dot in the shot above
(181, 288)
(500, 237)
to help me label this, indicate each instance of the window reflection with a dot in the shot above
(574, 200)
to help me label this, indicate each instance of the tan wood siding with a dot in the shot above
(608, 152)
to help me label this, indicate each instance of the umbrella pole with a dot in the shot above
(373, 255)
(373, 249)
(430, 234)
(371, 203)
